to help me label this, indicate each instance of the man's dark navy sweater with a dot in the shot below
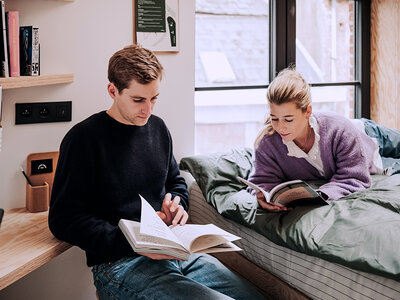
(103, 167)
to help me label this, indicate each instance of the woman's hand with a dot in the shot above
(269, 206)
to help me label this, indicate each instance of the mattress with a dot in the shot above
(315, 277)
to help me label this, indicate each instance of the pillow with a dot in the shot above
(216, 173)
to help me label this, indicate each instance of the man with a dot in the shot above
(105, 162)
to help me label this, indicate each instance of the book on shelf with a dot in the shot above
(1, 102)
(12, 24)
(1, 127)
(29, 50)
(152, 235)
(289, 193)
(3, 38)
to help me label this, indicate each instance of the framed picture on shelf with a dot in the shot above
(155, 24)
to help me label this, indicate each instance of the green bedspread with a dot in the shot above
(361, 231)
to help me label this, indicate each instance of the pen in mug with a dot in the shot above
(1, 214)
(27, 179)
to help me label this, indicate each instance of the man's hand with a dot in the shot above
(171, 212)
(269, 206)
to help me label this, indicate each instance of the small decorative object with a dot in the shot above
(156, 23)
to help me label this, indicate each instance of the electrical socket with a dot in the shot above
(43, 112)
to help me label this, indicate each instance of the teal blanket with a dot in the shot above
(361, 230)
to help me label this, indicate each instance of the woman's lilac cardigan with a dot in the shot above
(346, 153)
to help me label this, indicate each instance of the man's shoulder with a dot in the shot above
(156, 121)
(92, 121)
(157, 124)
(86, 127)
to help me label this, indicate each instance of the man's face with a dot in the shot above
(133, 105)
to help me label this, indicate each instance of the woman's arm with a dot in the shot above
(266, 172)
(352, 156)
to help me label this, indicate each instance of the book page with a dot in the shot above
(255, 187)
(195, 237)
(220, 248)
(283, 185)
(293, 191)
(149, 244)
(151, 224)
(132, 228)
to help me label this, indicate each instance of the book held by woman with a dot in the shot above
(289, 193)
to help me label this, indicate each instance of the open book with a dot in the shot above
(153, 235)
(289, 193)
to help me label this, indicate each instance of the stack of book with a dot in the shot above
(19, 48)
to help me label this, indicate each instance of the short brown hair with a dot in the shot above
(133, 62)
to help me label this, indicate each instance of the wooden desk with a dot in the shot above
(26, 243)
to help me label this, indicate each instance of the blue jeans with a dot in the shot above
(389, 143)
(200, 277)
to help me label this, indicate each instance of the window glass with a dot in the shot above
(232, 46)
(325, 40)
(339, 99)
(228, 118)
(231, 42)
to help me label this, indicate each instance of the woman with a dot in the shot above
(300, 144)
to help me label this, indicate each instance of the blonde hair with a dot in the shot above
(287, 87)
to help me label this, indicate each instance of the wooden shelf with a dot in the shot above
(29, 81)
(26, 243)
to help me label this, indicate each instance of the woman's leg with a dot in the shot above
(388, 138)
(391, 164)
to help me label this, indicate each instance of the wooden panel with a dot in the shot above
(29, 81)
(26, 243)
(269, 285)
(385, 62)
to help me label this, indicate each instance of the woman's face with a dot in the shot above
(290, 122)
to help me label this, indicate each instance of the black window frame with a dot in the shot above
(283, 49)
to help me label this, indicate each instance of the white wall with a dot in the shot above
(79, 38)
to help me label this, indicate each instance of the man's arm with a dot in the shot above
(176, 184)
(72, 213)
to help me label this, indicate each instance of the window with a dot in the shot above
(325, 52)
(232, 72)
(241, 44)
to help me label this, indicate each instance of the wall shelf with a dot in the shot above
(30, 81)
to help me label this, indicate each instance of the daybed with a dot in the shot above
(349, 249)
